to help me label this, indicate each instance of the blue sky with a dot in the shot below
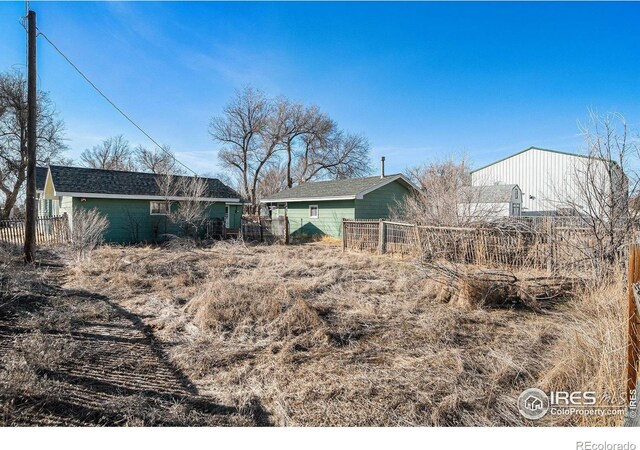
(421, 80)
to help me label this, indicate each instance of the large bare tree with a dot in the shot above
(114, 153)
(240, 130)
(337, 155)
(50, 144)
(259, 134)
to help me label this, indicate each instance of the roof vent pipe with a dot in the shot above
(382, 167)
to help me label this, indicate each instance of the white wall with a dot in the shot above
(550, 177)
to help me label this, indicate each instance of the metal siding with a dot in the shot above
(550, 177)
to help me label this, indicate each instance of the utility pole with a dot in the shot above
(30, 222)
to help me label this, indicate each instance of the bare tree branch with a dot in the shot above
(50, 144)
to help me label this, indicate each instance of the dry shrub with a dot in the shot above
(89, 226)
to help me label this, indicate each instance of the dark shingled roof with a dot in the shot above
(41, 178)
(333, 188)
(495, 193)
(116, 182)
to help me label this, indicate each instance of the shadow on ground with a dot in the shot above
(73, 357)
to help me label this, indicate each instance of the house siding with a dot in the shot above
(329, 221)
(374, 205)
(377, 204)
(131, 220)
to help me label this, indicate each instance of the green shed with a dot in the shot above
(318, 208)
(133, 202)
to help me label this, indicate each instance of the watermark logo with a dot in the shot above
(533, 404)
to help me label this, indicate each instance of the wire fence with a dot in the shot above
(543, 244)
(49, 230)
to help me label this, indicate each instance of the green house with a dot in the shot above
(133, 202)
(318, 208)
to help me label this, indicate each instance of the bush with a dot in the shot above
(87, 232)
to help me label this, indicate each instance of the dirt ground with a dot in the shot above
(75, 357)
(257, 335)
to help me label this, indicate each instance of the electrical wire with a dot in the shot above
(125, 115)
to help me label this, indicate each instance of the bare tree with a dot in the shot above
(13, 136)
(347, 156)
(273, 179)
(158, 161)
(114, 153)
(239, 130)
(604, 182)
(300, 121)
(256, 131)
(446, 197)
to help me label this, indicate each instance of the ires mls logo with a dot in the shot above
(534, 403)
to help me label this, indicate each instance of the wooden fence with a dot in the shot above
(265, 230)
(547, 247)
(49, 230)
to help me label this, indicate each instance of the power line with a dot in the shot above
(113, 104)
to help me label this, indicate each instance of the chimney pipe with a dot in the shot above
(382, 167)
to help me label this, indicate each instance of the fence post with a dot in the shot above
(261, 230)
(286, 230)
(549, 233)
(344, 234)
(381, 237)
(633, 339)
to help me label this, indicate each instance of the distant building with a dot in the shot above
(551, 181)
(318, 208)
(133, 202)
(490, 202)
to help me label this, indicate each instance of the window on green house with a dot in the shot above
(159, 208)
(313, 211)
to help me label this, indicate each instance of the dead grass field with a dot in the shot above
(307, 335)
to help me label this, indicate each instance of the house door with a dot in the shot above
(226, 217)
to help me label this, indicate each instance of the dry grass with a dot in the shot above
(324, 338)
(298, 335)
(592, 352)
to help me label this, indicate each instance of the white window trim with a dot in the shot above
(317, 216)
(158, 214)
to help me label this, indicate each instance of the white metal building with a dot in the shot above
(549, 179)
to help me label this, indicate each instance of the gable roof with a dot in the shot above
(494, 193)
(345, 189)
(41, 177)
(534, 148)
(101, 183)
